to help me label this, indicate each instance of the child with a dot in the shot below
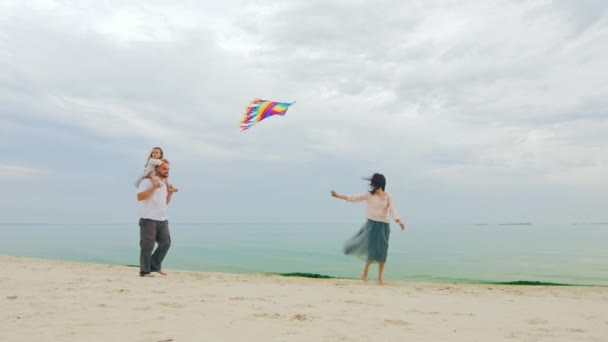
(371, 241)
(155, 159)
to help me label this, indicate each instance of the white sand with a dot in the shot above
(48, 300)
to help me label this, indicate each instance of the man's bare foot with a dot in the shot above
(161, 272)
(380, 282)
(364, 277)
(147, 275)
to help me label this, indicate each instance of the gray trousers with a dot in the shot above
(151, 231)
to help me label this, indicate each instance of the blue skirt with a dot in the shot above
(370, 243)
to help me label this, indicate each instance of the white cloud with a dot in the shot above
(13, 172)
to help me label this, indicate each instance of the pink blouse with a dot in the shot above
(377, 207)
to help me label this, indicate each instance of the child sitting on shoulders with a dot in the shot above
(156, 158)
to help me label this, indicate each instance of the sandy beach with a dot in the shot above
(50, 300)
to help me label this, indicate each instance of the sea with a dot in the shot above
(513, 253)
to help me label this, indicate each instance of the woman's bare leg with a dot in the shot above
(364, 276)
(380, 271)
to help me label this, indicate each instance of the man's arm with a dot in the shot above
(144, 195)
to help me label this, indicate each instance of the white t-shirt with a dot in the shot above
(155, 207)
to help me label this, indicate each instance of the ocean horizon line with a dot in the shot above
(350, 221)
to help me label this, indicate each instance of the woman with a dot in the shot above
(371, 241)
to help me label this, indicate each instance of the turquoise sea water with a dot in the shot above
(565, 254)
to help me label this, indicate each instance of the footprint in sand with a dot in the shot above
(425, 312)
(395, 322)
(515, 292)
(538, 321)
(243, 298)
(267, 315)
(358, 302)
(300, 317)
(155, 332)
(11, 297)
(152, 332)
(470, 314)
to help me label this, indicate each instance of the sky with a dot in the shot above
(475, 111)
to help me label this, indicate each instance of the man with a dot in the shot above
(153, 223)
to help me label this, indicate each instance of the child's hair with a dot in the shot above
(152, 151)
(376, 181)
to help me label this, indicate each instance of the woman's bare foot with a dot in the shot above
(161, 272)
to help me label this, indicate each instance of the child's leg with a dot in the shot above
(380, 271)
(170, 186)
(154, 178)
(365, 270)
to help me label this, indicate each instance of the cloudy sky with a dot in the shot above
(476, 111)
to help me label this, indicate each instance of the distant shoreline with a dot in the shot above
(413, 280)
(590, 224)
(446, 280)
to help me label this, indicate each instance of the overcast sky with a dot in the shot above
(476, 111)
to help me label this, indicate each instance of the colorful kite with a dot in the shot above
(258, 110)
